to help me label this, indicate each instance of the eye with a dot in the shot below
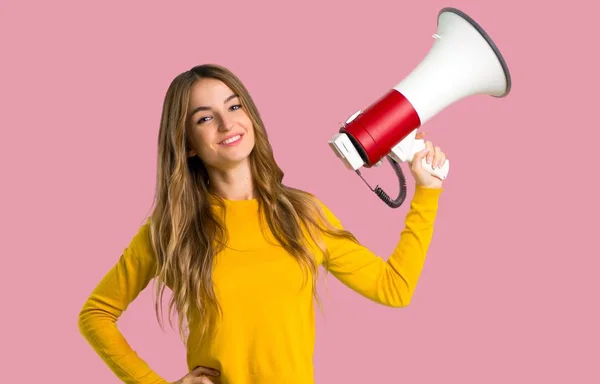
(236, 107)
(204, 119)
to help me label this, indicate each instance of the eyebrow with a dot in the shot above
(203, 108)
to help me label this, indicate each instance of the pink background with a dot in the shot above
(506, 295)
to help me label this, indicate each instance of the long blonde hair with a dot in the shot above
(186, 235)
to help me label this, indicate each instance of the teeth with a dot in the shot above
(231, 140)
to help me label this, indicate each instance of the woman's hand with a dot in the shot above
(435, 157)
(200, 375)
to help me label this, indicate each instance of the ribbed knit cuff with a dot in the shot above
(426, 195)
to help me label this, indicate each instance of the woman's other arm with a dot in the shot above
(98, 318)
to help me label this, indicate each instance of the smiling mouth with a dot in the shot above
(231, 140)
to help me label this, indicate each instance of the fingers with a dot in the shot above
(439, 159)
(198, 371)
(420, 135)
(202, 379)
(435, 157)
(432, 154)
(430, 151)
(418, 159)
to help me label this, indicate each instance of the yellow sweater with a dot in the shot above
(266, 334)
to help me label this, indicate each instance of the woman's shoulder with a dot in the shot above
(141, 242)
(320, 203)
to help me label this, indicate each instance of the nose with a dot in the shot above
(226, 124)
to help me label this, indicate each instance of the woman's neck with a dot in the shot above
(232, 184)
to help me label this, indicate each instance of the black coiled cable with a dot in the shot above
(398, 201)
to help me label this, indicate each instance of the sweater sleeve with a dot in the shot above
(98, 317)
(390, 282)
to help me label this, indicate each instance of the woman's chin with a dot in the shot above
(236, 158)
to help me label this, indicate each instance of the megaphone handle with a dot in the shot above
(441, 173)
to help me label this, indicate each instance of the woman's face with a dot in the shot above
(220, 132)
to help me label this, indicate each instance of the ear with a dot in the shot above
(189, 150)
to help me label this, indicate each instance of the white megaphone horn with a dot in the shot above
(462, 62)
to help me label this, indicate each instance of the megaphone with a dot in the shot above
(463, 61)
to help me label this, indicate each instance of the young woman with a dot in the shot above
(240, 250)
